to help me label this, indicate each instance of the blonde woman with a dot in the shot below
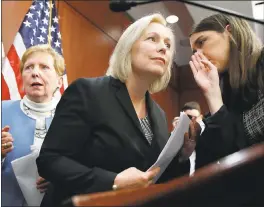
(108, 131)
(228, 65)
(25, 122)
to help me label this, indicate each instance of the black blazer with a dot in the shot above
(95, 135)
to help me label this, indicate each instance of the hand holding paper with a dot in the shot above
(173, 146)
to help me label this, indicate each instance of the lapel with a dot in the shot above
(157, 121)
(126, 103)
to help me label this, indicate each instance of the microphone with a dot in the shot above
(124, 5)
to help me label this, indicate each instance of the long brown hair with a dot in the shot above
(245, 51)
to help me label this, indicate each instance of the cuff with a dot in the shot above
(104, 179)
(217, 117)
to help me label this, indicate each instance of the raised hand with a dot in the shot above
(205, 73)
(207, 78)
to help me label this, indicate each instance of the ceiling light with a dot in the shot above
(172, 19)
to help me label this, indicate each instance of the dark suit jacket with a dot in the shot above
(95, 135)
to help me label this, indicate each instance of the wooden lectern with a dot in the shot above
(236, 180)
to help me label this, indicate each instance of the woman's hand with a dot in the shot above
(7, 141)
(205, 73)
(132, 177)
(42, 184)
(207, 78)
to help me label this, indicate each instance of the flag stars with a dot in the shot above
(56, 20)
(52, 28)
(57, 43)
(41, 5)
(29, 15)
(50, 5)
(47, 12)
(41, 39)
(37, 22)
(38, 13)
(32, 7)
(34, 31)
(27, 23)
(31, 41)
(45, 21)
(59, 35)
(43, 30)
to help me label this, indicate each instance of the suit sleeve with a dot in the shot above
(60, 157)
(223, 135)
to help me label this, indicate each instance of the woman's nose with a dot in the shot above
(162, 47)
(35, 72)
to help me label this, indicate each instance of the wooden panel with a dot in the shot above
(186, 78)
(98, 13)
(169, 102)
(13, 13)
(86, 49)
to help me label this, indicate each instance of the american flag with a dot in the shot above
(40, 26)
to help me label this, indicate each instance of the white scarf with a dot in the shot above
(39, 112)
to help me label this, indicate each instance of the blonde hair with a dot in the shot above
(245, 49)
(120, 65)
(59, 63)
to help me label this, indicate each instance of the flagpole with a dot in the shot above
(49, 36)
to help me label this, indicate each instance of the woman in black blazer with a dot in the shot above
(107, 131)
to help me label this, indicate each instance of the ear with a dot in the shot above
(60, 81)
(228, 28)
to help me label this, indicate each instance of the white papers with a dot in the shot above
(26, 173)
(172, 146)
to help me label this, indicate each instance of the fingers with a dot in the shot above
(7, 139)
(7, 142)
(5, 129)
(40, 180)
(195, 61)
(5, 134)
(5, 151)
(152, 173)
(43, 186)
(194, 70)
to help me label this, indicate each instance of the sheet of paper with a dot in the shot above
(172, 146)
(26, 173)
